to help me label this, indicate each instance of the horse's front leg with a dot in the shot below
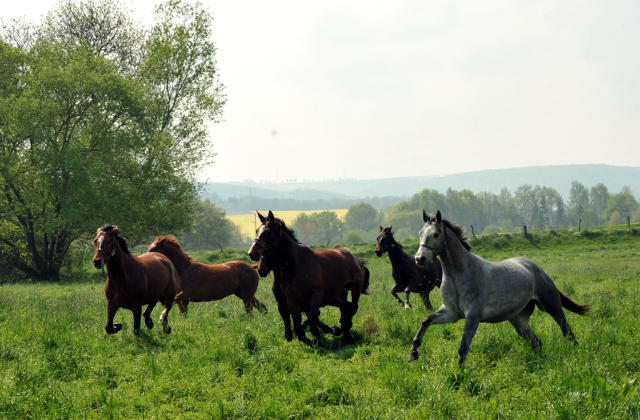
(283, 309)
(470, 328)
(164, 317)
(424, 294)
(137, 316)
(296, 315)
(407, 291)
(112, 328)
(313, 315)
(442, 316)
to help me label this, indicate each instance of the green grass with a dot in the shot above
(56, 361)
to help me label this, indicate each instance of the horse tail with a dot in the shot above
(365, 283)
(572, 306)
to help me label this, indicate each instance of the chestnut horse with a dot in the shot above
(133, 281)
(203, 282)
(408, 275)
(312, 279)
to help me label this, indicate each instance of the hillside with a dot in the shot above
(558, 177)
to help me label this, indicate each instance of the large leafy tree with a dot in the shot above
(101, 121)
(362, 216)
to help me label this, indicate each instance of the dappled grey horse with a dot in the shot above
(483, 291)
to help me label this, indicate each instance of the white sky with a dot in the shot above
(403, 88)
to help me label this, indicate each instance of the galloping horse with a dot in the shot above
(200, 282)
(312, 279)
(482, 291)
(269, 263)
(133, 281)
(408, 276)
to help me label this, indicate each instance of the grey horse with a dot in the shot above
(483, 291)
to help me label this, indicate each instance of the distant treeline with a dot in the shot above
(535, 206)
(248, 203)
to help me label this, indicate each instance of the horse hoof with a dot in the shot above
(337, 331)
(288, 336)
(116, 328)
(413, 356)
(166, 329)
(148, 323)
(347, 339)
(407, 306)
(135, 332)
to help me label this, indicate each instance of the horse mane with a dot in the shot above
(288, 230)
(171, 240)
(460, 231)
(121, 240)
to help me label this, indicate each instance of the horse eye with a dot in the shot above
(435, 235)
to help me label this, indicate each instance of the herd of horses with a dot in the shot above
(306, 280)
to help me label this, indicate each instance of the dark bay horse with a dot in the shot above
(312, 279)
(200, 282)
(134, 281)
(482, 291)
(408, 275)
(269, 263)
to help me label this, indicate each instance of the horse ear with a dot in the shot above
(117, 230)
(271, 216)
(425, 218)
(381, 228)
(438, 217)
(261, 217)
(391, 228)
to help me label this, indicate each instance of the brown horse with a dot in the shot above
(408, 275)
(133, 281)
(203, 283)
(312, 279)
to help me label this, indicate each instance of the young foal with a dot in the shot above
(133, 281)
(409, 277)
(203, 283)
(483, 291)
(312, 279)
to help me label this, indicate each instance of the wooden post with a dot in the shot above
(525, 230)
(473, 232)
(628, 221)
(221, 248)
(579, 223)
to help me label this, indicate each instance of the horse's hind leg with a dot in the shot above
(521, 323)
(424, 294)
(394, 293)
(553, 307)
(147, 315)
(112, 328)
(137, 316)
(164, 317)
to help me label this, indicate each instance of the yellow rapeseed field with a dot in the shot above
(246, 221)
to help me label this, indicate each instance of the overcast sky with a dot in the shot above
(403, 88)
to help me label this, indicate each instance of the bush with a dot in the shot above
(491, 229)
(352, 237)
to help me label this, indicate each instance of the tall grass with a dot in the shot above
(56, 361)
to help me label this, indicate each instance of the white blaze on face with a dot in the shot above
(426, 238)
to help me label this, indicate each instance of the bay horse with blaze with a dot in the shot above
(200, 282)
(312, 279)
(133, 281)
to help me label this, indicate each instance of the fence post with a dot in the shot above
(628, 221)
(579, 223)
(473, 232)
(525, 231)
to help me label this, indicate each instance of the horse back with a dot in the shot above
(339, 268)
(207, 282)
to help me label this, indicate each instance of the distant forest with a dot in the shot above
(536, 207)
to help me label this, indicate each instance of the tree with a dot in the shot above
(578, 198)
(623, 202)
(362, 216)
(210, 229)
(89, 135)
(318, 228)
(598, 198)
(526, 203)
(561, 214)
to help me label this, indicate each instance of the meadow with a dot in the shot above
(56, 361)
(248, 222)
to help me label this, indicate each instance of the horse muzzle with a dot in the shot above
(379, 251)
(98, 263)
(254, 254)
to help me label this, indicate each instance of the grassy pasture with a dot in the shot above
(248, 227)
(56, 361)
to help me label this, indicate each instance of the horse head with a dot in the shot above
(267, 261)
(267, 236)
(385, 240)
(105, 245)
(432, 238)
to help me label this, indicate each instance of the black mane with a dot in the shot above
(121, 240)
(288, 230)
(456, 228)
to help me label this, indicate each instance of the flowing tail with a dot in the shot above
(365, 283)
(572, 306)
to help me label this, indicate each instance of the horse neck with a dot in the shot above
(455, 256)
(119, 264)
(179, 259)
(287, 248)
(395, 252)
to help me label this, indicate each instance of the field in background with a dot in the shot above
(57, 362)
(248, 222)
